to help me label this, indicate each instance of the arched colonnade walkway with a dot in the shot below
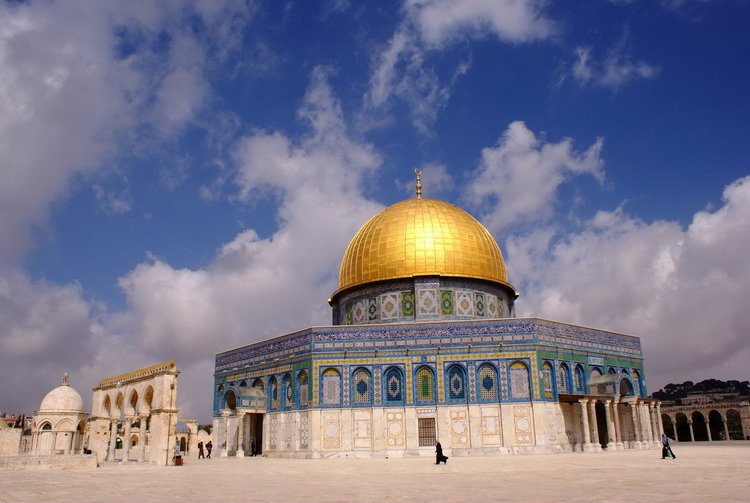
(707, 422)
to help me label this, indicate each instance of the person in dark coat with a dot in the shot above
(666, 449)
(209, 446)
(253, 451)
(439, 454)
(200, 450)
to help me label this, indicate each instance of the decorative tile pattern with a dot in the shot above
(459, 429)
(389, 306)
(472, 382)
(491, 306)
(372, 308)
(446, 302)
(273, 431)
(346, 385)
(304, 431)
(519, 381)
(362, 431)
(331, 387)
(407, 304)
(349, 314)
(522, 425)
(394, 429)
(427, 303)
(464, 303)
(491, 428)
(290, 432)
(376, 385)
(331, 430)
(502, 312)
(479, 305)
(359, 312)
(503, 366)
(362, 390)
(487, 382)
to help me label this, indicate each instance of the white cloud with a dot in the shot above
(615, 71)
(400, 70)
(517, 180)
(436, 180)
(262, 287)
(683, 291)
(443, 21)
(77, 82)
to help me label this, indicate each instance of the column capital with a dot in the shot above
(608, 404)
(225, 412)
(143, 415)
(583, 401)
(129, 417)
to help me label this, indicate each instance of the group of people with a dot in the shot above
(209, 447)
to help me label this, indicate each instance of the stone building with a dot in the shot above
(425, 346)
(139, 408)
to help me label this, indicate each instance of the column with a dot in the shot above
(636, 425)
(648, 437)
(659, 423)
(225, 425)
(692, 435)
(618, 430)
(708, 429)
(611, 442)
(241, 434)
(126, 440)
(585, 425)
(596, 446)
(112, 439)
(143, 417)
(674, 427)
(655, 435)
(726, 428)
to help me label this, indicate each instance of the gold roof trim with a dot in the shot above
(421, 237)
(139, 374)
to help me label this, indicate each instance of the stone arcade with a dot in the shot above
(144, 404)
(425, 346)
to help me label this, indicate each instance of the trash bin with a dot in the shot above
(178, 460)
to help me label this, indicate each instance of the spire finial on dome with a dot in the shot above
(66, 379)
(419, 183)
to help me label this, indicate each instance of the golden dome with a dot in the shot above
(421, 237)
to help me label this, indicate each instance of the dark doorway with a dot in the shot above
(601, 424)
(716, 425)
(699, 427)
(683, 428)
(255, 432)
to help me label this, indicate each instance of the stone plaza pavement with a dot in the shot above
(701, 472)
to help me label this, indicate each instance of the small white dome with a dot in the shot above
(62, 398)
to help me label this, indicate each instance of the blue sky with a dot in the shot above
(180, 178)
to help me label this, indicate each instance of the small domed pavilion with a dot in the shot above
(59, 425)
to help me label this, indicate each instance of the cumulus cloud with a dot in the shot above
(401, 71)
(257, 287)
(517, 180)
(77, 84)
(682, 290)
(439, 22)
(616, 70)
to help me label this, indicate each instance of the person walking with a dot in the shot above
(439, 454)
(209, 446)
(666, 449)
(200, 450)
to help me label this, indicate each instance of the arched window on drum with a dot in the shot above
(487, 382)
(456, 383)
(273, 393)
(394, 386)
(519, 381)
(287, 401)
(302, 389)
(331, 389)
(362, 387)
(548, 390)
(425, 385)
(636, 383)
(563, 379)
(580, 379)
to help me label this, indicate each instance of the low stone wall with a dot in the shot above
(60, 461)
(10, 441)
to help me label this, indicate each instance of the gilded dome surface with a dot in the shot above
(62, 398)
(421, 237)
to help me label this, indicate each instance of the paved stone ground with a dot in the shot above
(702, 472)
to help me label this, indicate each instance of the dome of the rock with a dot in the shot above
(421, 237)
